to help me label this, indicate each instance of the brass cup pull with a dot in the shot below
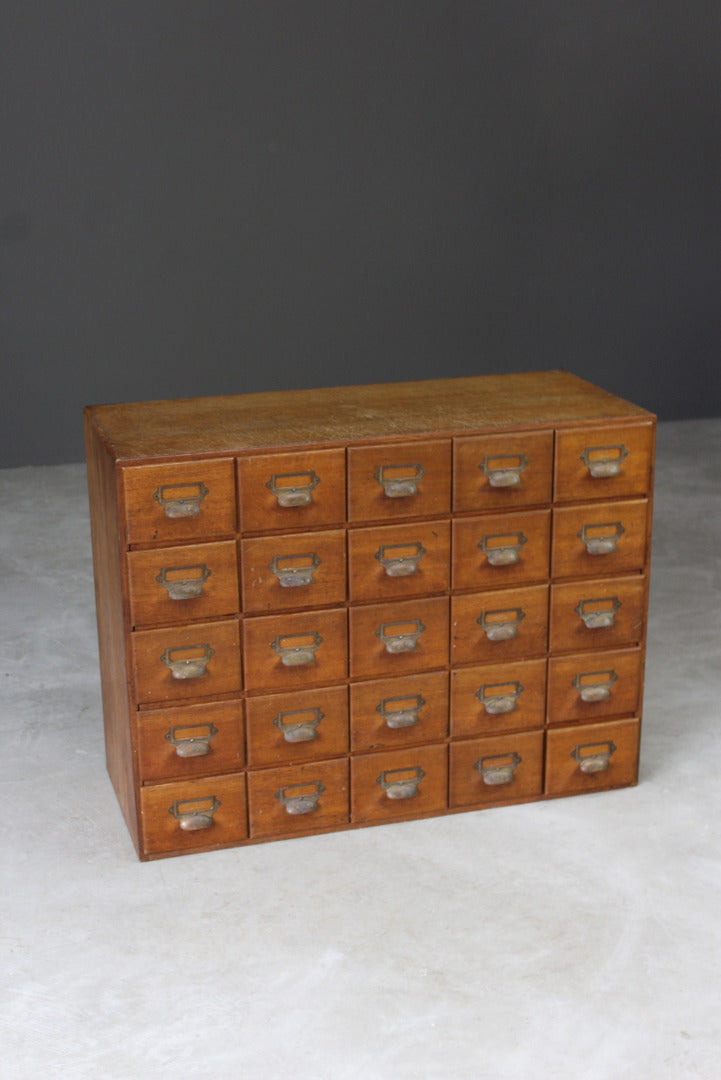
(299, 725)
(295, 570)
(502, 549)
(189, 585)
(193, 814)
(499, 698)
(400, 481)
(295, 650)
(600, 613)
(400, 560)
(503, 470)
(401, 712)
(188, 661)
(293, 489)
(604, 461)
(601, 539)
(498, 769)
(593, 757)
(400, 637)
(502, 624)
(191, 740)
(303, 798)
(594, 686)
(401, 783)
(181, 500)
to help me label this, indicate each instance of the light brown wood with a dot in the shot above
(476, 459)
(374, 472)
(478, 619)
(569, 601)
(375, 553)
(521, 754)
(304, 725)
(317, 558)
(573, 478)
(154, 680)
(375, 777)
(480, 545)
(617, 673)
(162, 830)
(373, 629)
(165, 737)
(156, 574)
(151, 493)
(564, 772)
(390, 713)
(271, 795)
(477, 693)
(321, 473)
(321, 633)
(615, 532)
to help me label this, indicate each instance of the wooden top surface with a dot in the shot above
(283, 418)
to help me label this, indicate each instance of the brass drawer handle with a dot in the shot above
(593, 757)
(400, 481)
(191, 741)
(400, 560)
(503, 470)
(187, 587)
(293, 489)
(186, 500)
(401, 783)
(594, 686)
(502, 549)
(188, 667)
(401, 712)
(304, 799)
(400, 637)
(194, 814)
(499, 698)
(601, 539)
(294, 729)
(604, 461)
(295, 570)
(498, 769)
(296, 650)
(600, 613)
(501, 624)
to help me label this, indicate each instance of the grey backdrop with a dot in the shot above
(211, 197)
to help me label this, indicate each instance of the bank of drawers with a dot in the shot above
(368, 633)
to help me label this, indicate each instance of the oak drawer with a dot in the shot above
(498, 697)
(292, 491)
(298, 798)
(399, 479)
(499, 625)
(183, 663)
(188, 500)
(390, 713)
(603, 462)
(398, 638)
(590, 757)
(496, 769)
(597, 613)
(600, 538)
(191, 741)
(178, 584)
(397, 784)
(293, 571)
(307, 724)
(588, 686)
(203, 813)
(295, 651)
(501, 550)
(495, 472)
(395, 561)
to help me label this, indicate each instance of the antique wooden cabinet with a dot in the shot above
(321, 609)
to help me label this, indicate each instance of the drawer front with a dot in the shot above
(178, 584)
(189, 500)
(501, 550)
(184, 663)
(308, 724)
(590, 757)
(193, 814)
(598, 613)
(293, 571)
(396, 480)
(399, 638)
(390, 713)
(192, 741)
(494, 627)
(399, 783)
(496, 769)
(298, 799)
(600, 538)
(498, 697)
(295, 651)
(494, 472)
(589, 686)
(603, 462)
(292, 491)
(395, 561)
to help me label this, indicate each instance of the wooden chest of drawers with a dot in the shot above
(323, 609)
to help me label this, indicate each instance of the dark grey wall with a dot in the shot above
(231, 196)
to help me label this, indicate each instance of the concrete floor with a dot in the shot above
(577, 939)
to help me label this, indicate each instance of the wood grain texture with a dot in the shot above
(476, 690)
(620, 671)
(159, 759)
(564, 775)
(373, 777)
(271, 718)
(372, 703)
(522, 750)
(151, 601)
(576, 528)
(424, 545)
(479, 543)
(267, 560)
